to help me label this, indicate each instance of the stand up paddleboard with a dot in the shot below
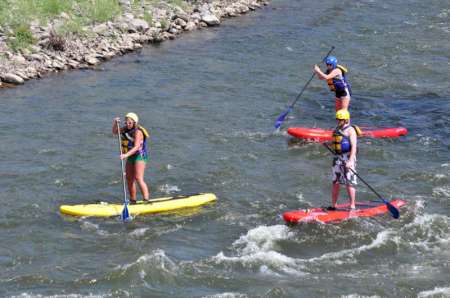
(153, 206)
(322, 135)
(363, 209)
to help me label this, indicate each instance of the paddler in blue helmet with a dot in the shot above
(344, 144)
(337, 82)
(134, 139)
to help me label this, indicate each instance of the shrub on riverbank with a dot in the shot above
(41, 36)
(26, 11)
(16, 17)
(21, 37)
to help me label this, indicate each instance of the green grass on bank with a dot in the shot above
(13, 12)
(16, 16)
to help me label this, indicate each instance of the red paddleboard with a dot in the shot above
(322, 135)
(363, 209)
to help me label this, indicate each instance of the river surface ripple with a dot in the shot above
(210, 99)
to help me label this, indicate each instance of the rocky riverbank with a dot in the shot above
(53, 52)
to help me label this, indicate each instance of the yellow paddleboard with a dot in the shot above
(154, 206)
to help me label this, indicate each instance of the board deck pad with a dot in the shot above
(342, 212)
(103, 209)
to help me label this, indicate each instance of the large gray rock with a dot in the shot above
(35, 57)
(190, 26)
(100, 29)
(91, 60)
(209, 18)
(183, 16)
(19, 59)
(138, 25)
(12, 79)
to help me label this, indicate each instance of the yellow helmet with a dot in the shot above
(133, 117)
(343, 114)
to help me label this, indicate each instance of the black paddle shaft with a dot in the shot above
(367, 184)
(310, 79)
(122, 164)
(392, 209)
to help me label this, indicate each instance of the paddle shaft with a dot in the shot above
(122, 165)
(281, 118)
(367, 184)
(310, 79)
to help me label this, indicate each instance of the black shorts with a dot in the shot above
(341, 93)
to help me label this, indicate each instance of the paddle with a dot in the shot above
(392, 209)
(125, 216)
(281, 118)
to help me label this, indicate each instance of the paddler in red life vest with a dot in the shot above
(337, 82)
(134, 149)
(344, 144)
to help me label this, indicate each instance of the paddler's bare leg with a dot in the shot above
(334, 194)
(139, 177)
(342, 103)
(352, 196)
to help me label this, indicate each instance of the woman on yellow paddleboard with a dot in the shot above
(134, 149)
(337, 82)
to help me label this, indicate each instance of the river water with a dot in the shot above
(210, 99)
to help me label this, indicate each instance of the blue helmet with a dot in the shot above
(331, 60)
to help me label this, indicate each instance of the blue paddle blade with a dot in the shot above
(125, 216)
(281, 118)
(394, 211)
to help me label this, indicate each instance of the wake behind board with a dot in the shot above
(322, 135)
(154, 206)
(363, 209)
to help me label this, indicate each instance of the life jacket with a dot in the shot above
(339, 82)
(128, 136)
(341, 143)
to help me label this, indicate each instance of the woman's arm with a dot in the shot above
(138, 140)
(323, 76)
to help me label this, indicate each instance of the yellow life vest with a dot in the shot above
(128, 137)
(341, 143)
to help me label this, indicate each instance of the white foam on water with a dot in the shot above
(257, 249)
(428, 232)
(299, 196)
(426, 140)
(436, 292)
(157, 260)
(262, 238)
(420, 205)
(89, 226)
(347, 255)
(289, 49)
(30, 295)
(171, 229)
(168, 189)
(227, 295)
(59, 182)
(46, 150)
(139, 232)
(440, 176)
(359, 296)
(443, 191)
(263, 260)
(252, 156)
